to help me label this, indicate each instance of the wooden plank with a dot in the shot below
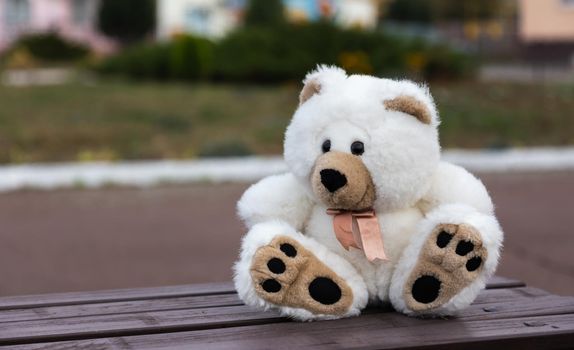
(234, 316)
(131, 323)
(508, 294)
(547, 305)
(503, 282)
(376, 331)
(121, 307)
(43, 300)
(202, 301)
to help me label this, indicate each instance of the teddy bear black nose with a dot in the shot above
(332, 179)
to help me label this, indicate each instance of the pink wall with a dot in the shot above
(58, 15)
(48, 14)
(3, 34)
(546, 20)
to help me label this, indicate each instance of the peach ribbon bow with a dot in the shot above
(359, 229)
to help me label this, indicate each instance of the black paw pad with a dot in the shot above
(325, 291)
(271, 286)
(473, 263)
(426, 289)
(443, 239)
(276, 266)
(464, 247)
(288, 250)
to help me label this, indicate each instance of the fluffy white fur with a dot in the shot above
(415, 191)
(278, 197)
(401, 152)
(491, 235)
(261, 235)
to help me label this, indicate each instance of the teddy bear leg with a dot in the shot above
(447, 262)
(282, 269)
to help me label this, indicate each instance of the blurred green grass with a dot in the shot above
(121, 120)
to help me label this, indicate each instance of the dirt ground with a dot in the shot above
(74, 240)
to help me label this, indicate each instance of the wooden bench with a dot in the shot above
(506, 315)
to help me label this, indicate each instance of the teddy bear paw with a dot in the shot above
(284, 273)
(451, 259)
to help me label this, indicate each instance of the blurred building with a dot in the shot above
(546, 28)
(72, 19)
(357, 13)
(487, 29)
(215, 18)
(208, 18)
(347, 13)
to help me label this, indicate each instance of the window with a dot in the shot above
(197, 20)
(17, 12)
(81, 11)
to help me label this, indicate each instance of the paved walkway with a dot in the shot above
(115, 238)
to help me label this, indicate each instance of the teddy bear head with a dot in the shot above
(359, 142)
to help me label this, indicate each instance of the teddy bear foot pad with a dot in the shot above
(451, 259)
(286, 274)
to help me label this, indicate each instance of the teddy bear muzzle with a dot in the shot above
(341, 180)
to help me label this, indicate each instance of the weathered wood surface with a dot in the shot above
(211, 316)
(28, 301)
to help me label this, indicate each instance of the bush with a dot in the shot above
(185, 58)
(265, 13)
(50, 48)
(127, 20)
(190, 58)
(445, 63)
(139, 62)
(280, 53)
(286, 52)
(258, 55)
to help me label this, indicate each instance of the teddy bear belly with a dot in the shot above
(397, 227)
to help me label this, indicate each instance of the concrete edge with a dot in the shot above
(248, 169)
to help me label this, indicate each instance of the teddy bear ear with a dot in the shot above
(319, 79)
(410, 105)
(310, 88)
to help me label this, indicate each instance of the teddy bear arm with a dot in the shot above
(453, 184)
(455, 251)
(275, 198)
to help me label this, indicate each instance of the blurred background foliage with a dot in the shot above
(43, 49)
(128, 21)
(191, 96)
(126, 120)
(268, 49)
(265, 13)
(426, 11)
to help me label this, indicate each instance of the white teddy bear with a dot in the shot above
(368, 211)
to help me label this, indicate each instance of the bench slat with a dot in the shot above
(369, 331)
(547, 305)
(508, 294)
(60, 299)
(524, 304)
(502, 282)
(132, 323)
(121, 307)
(204, 301)
(27, 301)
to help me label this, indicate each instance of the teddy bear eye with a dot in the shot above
(357, 148)
(326, 147)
